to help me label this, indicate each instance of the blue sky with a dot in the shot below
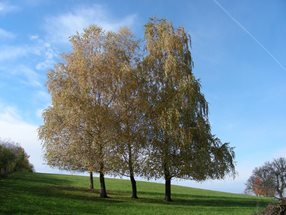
(238, 49)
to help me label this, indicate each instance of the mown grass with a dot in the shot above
(39, 193)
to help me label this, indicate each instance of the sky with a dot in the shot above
(238, 48)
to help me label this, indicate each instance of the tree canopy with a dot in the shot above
(181, 143)
(269, 179)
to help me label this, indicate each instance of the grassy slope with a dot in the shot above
(38, 193)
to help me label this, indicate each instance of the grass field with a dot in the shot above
(38, 193)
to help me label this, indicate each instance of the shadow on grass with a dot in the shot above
(55, 195)
(41, 185)
(39, 194)
(36, 178)
(192, 200)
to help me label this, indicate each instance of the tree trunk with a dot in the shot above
(134, 187)
(167, 179)
(103, 193)
(280, 193)
(91, 187)
(168, 189)
(131, 172)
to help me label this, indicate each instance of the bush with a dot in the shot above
(278, 208)
(13, 158)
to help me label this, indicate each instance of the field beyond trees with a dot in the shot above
(39, 193)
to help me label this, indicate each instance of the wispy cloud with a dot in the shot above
(30, 76)
(243, 28)
(11, 52)
(15, 52)
(6, 34)
(61, 27)
(45, 50)
(9, 114)
(38, 50)
(48, 55)
(26, 75)
(22, 74)
(6, 7)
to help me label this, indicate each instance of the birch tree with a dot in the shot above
(128, 107)
(84, 88)
(65, 142)
(180, 141)
(64, 139)
(131, 131)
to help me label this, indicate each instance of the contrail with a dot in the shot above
(249, 34)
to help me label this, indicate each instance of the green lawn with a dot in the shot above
(38, 193)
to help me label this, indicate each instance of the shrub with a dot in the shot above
(278, 208)
(13, 158)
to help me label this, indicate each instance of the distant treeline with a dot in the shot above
(13, 158)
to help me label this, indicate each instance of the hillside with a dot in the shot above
(39, 193)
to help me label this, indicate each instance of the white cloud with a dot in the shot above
(6, 34)
(61, 27)
(49, 55)
(6, 7)
(37, 47)
(45, 50)
(41, 58)
(13, 128)
(34, 37)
